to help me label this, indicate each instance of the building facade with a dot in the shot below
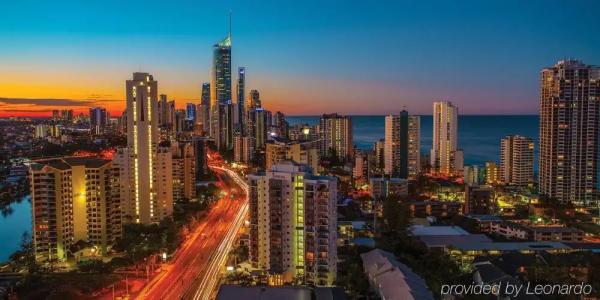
(335, 132)
(293, 225)
(516, 160)
(184, 171)
(221, 129)
(98, 120)
(306, 153)
(569, 121)
(74, 199)
(446, 157)
(145, 168)
(402, 156)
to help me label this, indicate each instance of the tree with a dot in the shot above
(25, 256)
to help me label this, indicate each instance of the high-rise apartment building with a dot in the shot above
(379, 150)
(253, 100)
(492, 173)
(144, 165)
(293, 225)
(180, 124)
(98, 120)
(257, 127)
(243, 149)
(471, 175)
(184, 171)
(221, 109)
(201, 157)
(306, 153)
(241, 98)
(516, 160)
(335, 132)
(360, 171)
(446, 158)
(73, 199)
(402, 156)
(569, 122)
(204, 110)
(163, 112)
(414, 147)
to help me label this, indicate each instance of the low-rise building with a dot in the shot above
(385, 187)
(391, 279)
(512, 230)
(438, 209)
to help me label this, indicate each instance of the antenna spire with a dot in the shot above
(230, 24)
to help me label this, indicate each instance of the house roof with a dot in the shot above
(392, 279)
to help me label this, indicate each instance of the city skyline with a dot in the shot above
(490, 68)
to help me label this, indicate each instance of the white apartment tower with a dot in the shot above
(446, 158)
(516, 160)
(145, 168)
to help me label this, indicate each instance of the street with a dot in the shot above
(195, 271)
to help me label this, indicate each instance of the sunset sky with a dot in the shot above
(305, 57)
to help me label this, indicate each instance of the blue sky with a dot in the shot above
(358, 57)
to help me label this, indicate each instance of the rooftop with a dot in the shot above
(392, 279)
(420, 230)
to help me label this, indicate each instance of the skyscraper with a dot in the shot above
(257, 127)
(446, 158)
(243, 148)
(220, 101)
(171, 115)
(98, 120)
(190, 112)
(201, 159)
(569, 121)
(253, 100)
(516, 160)
(414, 147)
(163, 112)
(241, 94)
(293, 225)
(73, 199)
(145, 168)
(396, 145)
(336, 136)
(204, 112)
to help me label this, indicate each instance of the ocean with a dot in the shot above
(478, 136)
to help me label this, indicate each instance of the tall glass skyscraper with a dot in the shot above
(220, 95)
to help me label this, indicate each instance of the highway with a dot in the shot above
(196, 269)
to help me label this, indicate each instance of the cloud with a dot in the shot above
(46, 102)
